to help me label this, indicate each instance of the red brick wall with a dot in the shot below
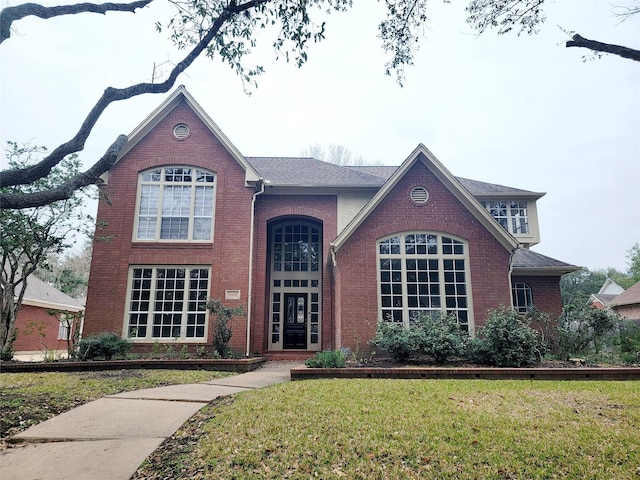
(322, 208)
(545, 292)
(488, 259)
(228, 256)
(32, 322)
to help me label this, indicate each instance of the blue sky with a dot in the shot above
(515, 110)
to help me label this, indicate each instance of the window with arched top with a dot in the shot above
(422, 272)
(175, 203)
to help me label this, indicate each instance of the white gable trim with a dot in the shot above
(422, 154)
(179, 95)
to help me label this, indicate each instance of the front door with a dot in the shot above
(295, 325)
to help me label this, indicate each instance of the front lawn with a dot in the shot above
(383, 429)
(30, 398)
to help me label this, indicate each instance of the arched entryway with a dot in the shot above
(295, 284)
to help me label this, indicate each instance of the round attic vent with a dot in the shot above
(181, 131)
(419, 195)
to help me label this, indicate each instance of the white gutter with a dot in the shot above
(250, 289)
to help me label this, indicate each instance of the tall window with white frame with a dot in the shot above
(175, 204)
(522, 297)
(167, 303)
(421, 272)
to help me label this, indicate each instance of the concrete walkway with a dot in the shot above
(109, 438)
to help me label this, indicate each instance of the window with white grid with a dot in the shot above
(510, 214)
(522, 297)
(422, 272)
(175, 204)
(168, 302)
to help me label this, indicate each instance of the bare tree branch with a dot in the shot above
(76, 144)
(11, 14)
(625, 52)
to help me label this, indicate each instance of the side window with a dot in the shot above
(522, 297)
(175, 203)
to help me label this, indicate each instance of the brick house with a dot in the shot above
(315, 253)
(38, 332)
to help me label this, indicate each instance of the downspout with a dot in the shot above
(250, 289)
(334, 267)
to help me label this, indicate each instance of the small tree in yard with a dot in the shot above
(583, 329)
(71, 323)
(29, 236)
(222, 331)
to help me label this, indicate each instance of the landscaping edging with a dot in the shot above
(241, 365)
(581, 373)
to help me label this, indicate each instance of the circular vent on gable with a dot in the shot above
(181, 131)
(419, 195)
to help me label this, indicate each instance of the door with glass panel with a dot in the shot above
(295, 325)
(295, 285)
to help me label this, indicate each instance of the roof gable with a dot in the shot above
(422, 154)
(610, 287)
(176, 98)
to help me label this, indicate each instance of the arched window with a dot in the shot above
(522, 298)
(422, 272)
(175, 203)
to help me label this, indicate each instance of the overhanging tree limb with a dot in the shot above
(11, 14)
(621, 51)
(76, 144)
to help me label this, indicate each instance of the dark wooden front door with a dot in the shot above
(295, 325)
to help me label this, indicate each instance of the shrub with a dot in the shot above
(104, 345)
(222, 331)
(327, 359)
(507, 341)
(629, 342)
(400, 342)
(439, 336)
(585, 330)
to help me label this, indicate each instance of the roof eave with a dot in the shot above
(544, 271)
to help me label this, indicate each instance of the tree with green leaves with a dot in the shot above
(29, 236)
(633, 256)
(227, 30)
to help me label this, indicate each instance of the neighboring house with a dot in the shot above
(607, 293)
(627, 304)
(315, 253)
(40, 333)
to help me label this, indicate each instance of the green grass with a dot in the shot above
(419, 429)
(29, 398)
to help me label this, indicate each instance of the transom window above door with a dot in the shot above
(175, 204)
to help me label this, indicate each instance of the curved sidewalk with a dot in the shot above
(109, 438)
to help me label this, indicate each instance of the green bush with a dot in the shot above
(629, 342)
(400, 342)
(222, 331)
(439, 336)
(585, 330)
(507, 341)
(104, 345)
(327, 359)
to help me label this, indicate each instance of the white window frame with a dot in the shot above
(188, 313)
(438, 282)
(522, 291)
(63, 327)
(147, 181)
(517, 222)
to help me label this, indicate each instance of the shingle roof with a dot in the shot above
(293, 171)
(39, 291)
(309, 172)
(604, 298)
(630, 296)
(527, 259)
